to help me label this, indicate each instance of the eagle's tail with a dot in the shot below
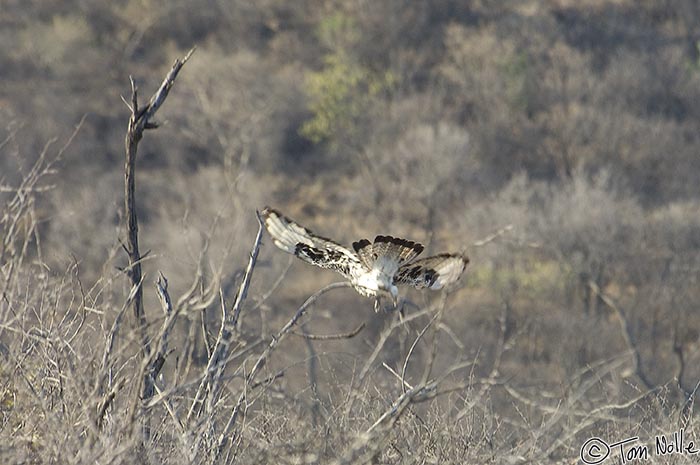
(387, 249)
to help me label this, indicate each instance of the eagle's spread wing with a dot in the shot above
(433, 272)
(296, 239)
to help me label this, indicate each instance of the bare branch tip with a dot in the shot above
(134, 96)
(162, 281)
(126, 249)
(128, 105)
(189, 54)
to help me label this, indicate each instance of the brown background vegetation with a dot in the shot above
(575, 125)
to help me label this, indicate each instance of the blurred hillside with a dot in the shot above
(575, 125)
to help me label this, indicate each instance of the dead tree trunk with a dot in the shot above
(132, 225)
(140, 120)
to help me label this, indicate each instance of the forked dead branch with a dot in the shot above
(140, 120)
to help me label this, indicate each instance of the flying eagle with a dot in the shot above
(373, 268)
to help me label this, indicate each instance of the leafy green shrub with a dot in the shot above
(343, 91)
(340, 95)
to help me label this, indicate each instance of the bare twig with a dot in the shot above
(191, 299)
(366, 445)
(327, 337)
(417, 394)
(413, 346)
(397, 376)
(222, 346)
(19, 211)
(492, 237)
(163, 294)
(383, 338)
(262, 359)
(626, 333)
(312, 377)
(261, 300)
(243, 291)
(109, 346)
(105, 368)
(157, 359)
(495, 368)
(83, 310)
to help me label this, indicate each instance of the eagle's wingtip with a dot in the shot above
(269, 212)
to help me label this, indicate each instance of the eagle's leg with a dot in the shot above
(377, 305)
(399, 306)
